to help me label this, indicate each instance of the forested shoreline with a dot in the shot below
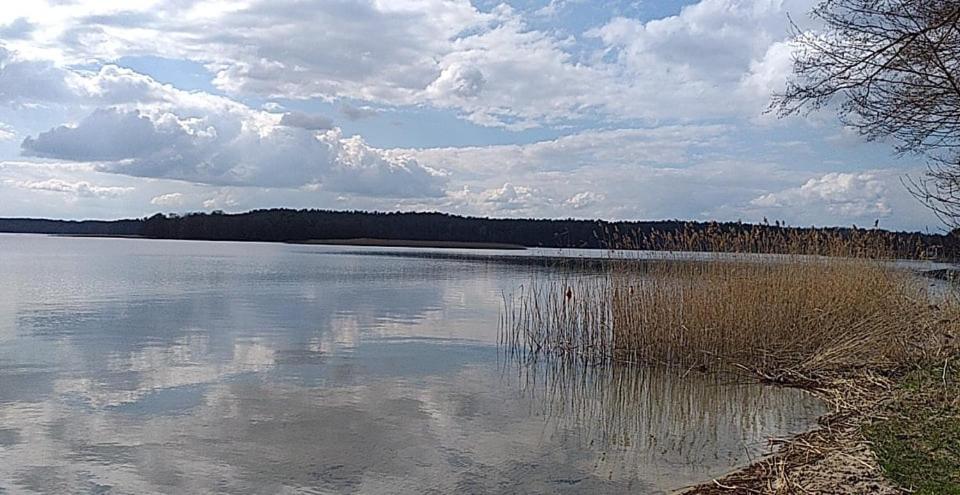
(287, 225)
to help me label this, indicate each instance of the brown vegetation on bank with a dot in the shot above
(837, 316)
(794, 317)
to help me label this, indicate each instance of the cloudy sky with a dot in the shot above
(543, 108)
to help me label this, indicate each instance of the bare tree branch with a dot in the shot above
(894, 66)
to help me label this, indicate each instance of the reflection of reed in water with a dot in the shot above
(659, 417)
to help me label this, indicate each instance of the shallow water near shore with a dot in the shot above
(137, 366)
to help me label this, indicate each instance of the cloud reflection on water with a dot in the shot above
(146, 367)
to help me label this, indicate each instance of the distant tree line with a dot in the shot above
(286, 225)
(72, 227)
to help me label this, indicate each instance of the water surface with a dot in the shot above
(135, 366)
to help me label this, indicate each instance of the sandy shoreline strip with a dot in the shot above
(412, 243)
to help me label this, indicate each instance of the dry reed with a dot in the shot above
(824, 304)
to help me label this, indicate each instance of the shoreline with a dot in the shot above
(832, 458)
(99, 236)
(874, 440)
(370, 242)
(360, 242)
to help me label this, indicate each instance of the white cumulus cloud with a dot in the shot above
(491, 66)
(80, 188)
(846, 194)
(7, 132)
(168, 199)
(584, 199)
(143, 128)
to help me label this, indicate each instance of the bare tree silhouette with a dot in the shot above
(894, 66)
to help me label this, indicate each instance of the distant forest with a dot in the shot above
(286, 225)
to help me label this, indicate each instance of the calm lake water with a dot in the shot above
(134, 366)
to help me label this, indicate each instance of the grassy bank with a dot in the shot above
(890, 433)
(833, 315)
(916, 436)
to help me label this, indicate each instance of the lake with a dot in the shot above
(150, 366)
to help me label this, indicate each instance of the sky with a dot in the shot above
(638, 110)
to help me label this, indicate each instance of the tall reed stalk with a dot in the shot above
(823, 304)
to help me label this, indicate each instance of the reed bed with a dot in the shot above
(822, 304)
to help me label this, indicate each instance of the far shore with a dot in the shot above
(344, 242)
(111, 236)
(412, 243)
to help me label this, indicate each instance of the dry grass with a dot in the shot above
(824, 305)
(856, 243)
